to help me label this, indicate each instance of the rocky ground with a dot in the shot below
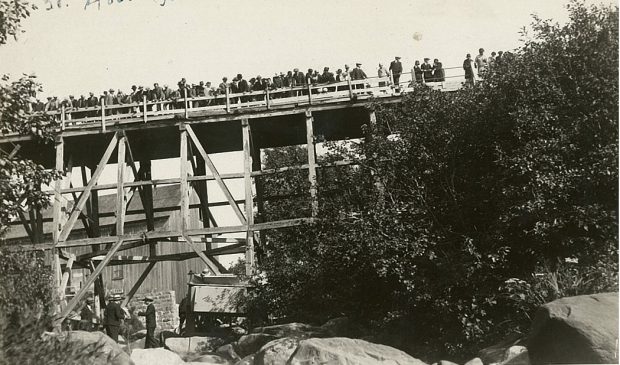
(582, 329)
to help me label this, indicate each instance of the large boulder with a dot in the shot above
(300, 330)
(497, 352)
(516, 355)
(342, 327)
(347, 351)
(209, 360)
(228, 352)
(251, 343)
(276, 352)
(191, 346)
(109, 351)
(157, 356)
(581, 329)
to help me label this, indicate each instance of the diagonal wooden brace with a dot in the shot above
(77, 208)
(91, 279)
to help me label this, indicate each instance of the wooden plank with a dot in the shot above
(212, 267)
(103, 126)
(191, 232)
(141, 259)
(77, 208)
(136, 286)
(249, 198)
(126, 246)
(91, 279)
(311, 163)
(58, 203)
(65, 277)
(26, 225)
(185, 218)
(216, 174)
(120, 189)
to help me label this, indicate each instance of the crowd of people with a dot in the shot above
(113, 317)
(277, 84)
(482, 63)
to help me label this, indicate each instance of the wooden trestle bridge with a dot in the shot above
(190, 129)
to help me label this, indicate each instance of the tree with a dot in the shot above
(26, 291)
(481, 188)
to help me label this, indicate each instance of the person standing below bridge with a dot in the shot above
(113, 317)
(396, 68)
(88, 318)
(151, 322)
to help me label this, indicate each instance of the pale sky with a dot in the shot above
(75, 50)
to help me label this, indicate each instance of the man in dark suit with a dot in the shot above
(113, 316)
(88, 318)
(396, 68)
(151, 322)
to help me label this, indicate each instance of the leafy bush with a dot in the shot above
(477, 187)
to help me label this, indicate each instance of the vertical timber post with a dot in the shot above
(258, 186)
(57, 212)
(249, 201)
(380, 188)
(184, 221)
(311, 163)
(120, 188)
(103, 128)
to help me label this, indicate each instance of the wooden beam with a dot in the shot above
(185, 218)
(120, 188)
(136, 286)
(77, 208)
(311, 163)
(191, 232)
(212, 267)
(91, 279)
(141, 259)
(57, 211)
(26, 225)
(65, 277)
(126, 246)
(249, 199)
(216, 174)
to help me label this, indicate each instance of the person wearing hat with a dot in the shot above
(427, 70)
(358, 74)
(327, 76)
(396, 68)
(88, 318)
(382, 72)
(151, 322)
(113, 317)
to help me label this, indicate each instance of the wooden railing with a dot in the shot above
(310, 94)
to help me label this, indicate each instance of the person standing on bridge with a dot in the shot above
(417, 72)
(358, 74)
(481, 63)
(438, 72)
(396, 68)
(427, 70)
(469, 70)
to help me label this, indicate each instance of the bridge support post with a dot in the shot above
(249, 200)
(312, 163)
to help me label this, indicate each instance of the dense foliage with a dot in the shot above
(475, 207)
(27, 299)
